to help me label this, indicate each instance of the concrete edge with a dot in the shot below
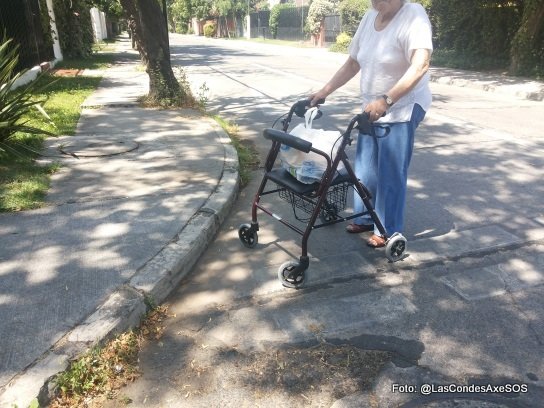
(125, 307)
(32, 73)
(530, 91)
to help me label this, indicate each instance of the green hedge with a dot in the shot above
(474, 33)
(351, 13)
(284, 13)
(73, 20)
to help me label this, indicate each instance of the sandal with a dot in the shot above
(376, 241)
(357, 229)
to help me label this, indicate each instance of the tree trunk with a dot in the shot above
(527, 46)
(150, 33)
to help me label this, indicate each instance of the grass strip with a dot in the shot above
(23, 182)
(247, 155)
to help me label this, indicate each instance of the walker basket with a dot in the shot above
(335, 199)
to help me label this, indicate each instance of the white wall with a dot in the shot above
(54, 32)
(33, 73)
(98, 19)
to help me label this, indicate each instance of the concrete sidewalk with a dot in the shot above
(140, 194)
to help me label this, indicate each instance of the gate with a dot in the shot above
(259, 24)
(333, 27)
(291, 24)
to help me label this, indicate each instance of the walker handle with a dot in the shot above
(300, 107)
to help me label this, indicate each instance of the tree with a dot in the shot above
(148, 25)
(527, 51)
(179, 13)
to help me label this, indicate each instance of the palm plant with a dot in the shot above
(15, 104)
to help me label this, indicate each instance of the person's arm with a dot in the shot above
(343, 75)
(419, 65)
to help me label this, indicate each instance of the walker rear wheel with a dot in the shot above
(395, 247)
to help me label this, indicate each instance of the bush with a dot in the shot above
(317, 12)
(275, 15)
(209, 29)
(351, 13)
(474, 34)
(75, 30)
(343, 41)
(14, 104)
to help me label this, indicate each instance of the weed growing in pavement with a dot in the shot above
(203, 96)
(247, 154)
(184, 99)
(103, 370)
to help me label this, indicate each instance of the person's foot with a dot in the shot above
(376, 241)
(357, 229)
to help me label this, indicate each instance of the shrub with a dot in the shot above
(14, 104)
(75, 30)
(351, 13)
(342, 43)
(317, 12)
(275, 15)
(209, 29)
(475, 33)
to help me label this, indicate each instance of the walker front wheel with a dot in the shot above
(395, 247)
(248, 236)
(291, 275)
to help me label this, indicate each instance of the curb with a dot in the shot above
(153, 282)
(521, 88)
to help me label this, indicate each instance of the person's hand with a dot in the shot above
(321, 94)
(376, 109)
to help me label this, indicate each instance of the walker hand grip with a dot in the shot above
(303, 105)
(287, 139)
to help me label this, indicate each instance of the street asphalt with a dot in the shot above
(139, 196)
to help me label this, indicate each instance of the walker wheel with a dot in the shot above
(290, 275)
(329, 213)
(395, 248)
(248, 236)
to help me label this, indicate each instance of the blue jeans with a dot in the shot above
(382, 166)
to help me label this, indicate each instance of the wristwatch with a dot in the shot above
(388, 100)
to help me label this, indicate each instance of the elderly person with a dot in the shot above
(392, 49)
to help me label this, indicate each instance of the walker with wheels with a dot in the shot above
(325, 199)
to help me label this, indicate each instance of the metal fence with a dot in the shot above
(26, 22)
(259, 24)
(333, 27)
(291, 25)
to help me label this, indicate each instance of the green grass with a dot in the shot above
(64, 95)
(103, 56)
(99, 60)
(24, 183)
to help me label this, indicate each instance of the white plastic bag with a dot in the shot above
(309, 167)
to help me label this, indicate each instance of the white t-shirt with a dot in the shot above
(384, 56)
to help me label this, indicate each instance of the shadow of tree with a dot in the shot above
(462, 178)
